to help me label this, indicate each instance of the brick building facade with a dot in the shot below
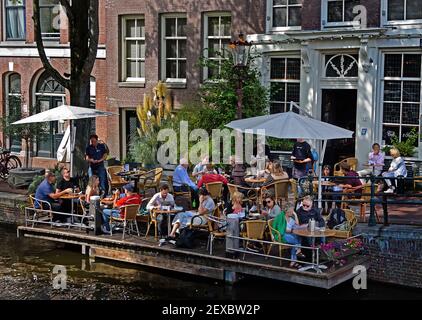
(22, 72)
(190, 25)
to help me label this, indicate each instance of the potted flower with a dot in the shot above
(338, 251)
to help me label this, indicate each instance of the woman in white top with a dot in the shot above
(397, 169)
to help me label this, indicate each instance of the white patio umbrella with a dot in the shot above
(65, 113)
(290, 125)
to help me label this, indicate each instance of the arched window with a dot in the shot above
(13, 106)
(49, 95)
(341, 66)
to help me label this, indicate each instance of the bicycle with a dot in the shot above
(8, 162)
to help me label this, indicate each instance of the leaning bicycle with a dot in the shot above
(8, 162)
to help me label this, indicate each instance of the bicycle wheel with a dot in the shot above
(13, 163)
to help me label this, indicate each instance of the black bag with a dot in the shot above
(187, 238)
(337, 217)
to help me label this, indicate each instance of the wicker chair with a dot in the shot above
(114, 180)
(352, 222)
(216, 225)
(151, 180)
(281, 190)
(255, 230)
(129, 220)
(253, 194)
(44, 214)
(352, 162)
(273, 231)
(215, 189)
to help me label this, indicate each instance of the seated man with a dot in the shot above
(183, 219)
(182, 182)
(129, 198)
(66, 182)
(307, 212)
(158, 200)
(45, 192)
(352, 184)
(211, 176)
(375, 158)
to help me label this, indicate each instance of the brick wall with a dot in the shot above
(396, 254)
(10, 208)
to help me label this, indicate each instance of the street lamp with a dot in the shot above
(240, 49)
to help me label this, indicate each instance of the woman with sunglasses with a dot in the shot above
(272, 209)
(307, 212)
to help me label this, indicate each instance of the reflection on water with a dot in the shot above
(26, 267)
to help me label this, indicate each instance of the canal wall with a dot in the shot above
(395, 253)
(11, 208)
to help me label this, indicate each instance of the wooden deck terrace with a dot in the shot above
(197, 262)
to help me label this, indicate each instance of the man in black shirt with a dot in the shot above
(302, 158)
(65, 183)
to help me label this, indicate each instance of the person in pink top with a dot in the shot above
(376, 158)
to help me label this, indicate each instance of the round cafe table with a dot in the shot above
(313, 235)
(324, 183)
(71, 197)
(169, 213)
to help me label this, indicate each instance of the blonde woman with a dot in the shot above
(93, 188)
(397, 169)
(237, 200)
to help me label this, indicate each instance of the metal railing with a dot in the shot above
(315, 263)
(374, 197)
(45, 217)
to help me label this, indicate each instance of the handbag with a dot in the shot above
(187, 238)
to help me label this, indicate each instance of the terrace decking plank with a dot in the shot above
(145, 252)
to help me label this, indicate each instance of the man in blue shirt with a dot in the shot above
(96, 154)
(46, 192)
(182, 181)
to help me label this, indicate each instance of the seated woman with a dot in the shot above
(236, 205)
(184, 219)
(285, 223)
(93, 188)
(397, 169)
(272, 209)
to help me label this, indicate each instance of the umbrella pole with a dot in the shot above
(71, 147)
(324, 147)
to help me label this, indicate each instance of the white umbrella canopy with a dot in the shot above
(290, 125)
(63, 113)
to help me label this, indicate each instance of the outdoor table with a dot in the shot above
(373, 166)
(107, 201)
(313, 235)
(325, 183)
(169, 213)
(133, 176)
(255, 180)
(71, 197)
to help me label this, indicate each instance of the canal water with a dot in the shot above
(26, 272)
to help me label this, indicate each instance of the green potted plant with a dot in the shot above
(407, 147)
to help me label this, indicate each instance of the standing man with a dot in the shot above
(302, 158)
(96, 154)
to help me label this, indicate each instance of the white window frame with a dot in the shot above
(386, 22)
(285, 81)
(219, 37)
(172, 82)
(4, 24)
(54, 36)
(8, 94)
(124, 57)
(382, 101)
(270, 19)
(324, 17)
